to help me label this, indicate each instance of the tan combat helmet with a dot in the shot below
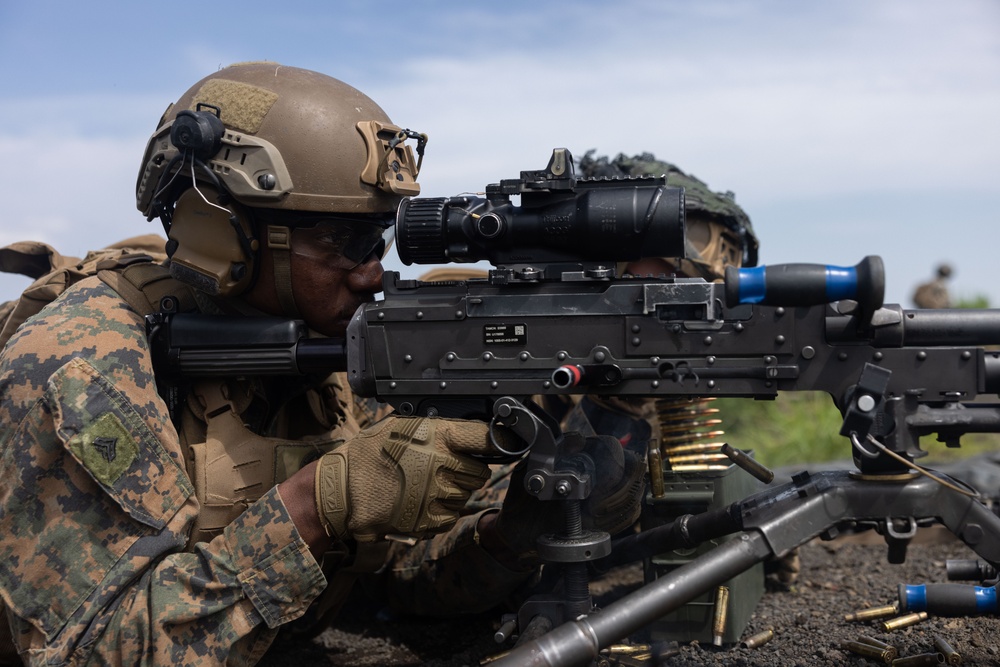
(719, 232)
(254, 142)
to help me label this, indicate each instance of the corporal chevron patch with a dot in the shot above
(105, 448)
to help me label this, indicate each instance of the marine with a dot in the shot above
(174, 520)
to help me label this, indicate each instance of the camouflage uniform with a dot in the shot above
(97, 506)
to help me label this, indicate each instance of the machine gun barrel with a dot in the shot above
(958, 326)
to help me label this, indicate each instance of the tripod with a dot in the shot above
(883, 491)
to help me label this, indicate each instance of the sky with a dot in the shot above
(845, 129)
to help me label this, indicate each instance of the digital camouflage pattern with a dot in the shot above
(95, 509)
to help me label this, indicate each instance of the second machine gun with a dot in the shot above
(555, 317)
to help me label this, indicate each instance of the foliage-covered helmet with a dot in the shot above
(718, 230)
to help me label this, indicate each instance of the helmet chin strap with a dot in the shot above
(279, 242)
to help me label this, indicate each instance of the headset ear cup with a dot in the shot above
(215, 249)
(199, 132)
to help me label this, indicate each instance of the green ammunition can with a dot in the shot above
(693, 492)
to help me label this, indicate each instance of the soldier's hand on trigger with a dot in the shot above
(406, 476)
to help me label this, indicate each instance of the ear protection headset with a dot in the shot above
(198, 131)
(211, 244)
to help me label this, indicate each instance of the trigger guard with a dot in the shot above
(496, 445)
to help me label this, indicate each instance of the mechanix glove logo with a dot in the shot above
(105, 448)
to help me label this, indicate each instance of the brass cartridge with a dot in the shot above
(695, 458)
(626, 649)
(721, 609)
(758, 639)
(873, 613)
(748, 463)
(951, 656)
(904, 621)
(893, 651)
(656, 472)
(698, 467)
(868, 651)
(699, 447)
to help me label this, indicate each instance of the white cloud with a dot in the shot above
(72, 192)
(877, 95)
(792, 105)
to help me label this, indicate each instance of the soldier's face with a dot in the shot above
(328, 296)
(326, 293)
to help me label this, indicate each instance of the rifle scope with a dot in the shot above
(560, 220)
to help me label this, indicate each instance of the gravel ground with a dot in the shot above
(836, 578)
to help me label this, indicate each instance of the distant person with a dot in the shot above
(934, 293)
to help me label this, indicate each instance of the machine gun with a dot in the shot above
(556, 316)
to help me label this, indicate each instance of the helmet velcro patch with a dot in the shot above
(243, 106)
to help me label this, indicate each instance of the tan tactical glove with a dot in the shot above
(403, 476)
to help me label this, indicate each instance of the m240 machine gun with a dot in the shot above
(555, 316)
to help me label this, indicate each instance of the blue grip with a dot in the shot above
(841, 283)
(914, 598)
(752, 285)
(948, 599)
(806, 284)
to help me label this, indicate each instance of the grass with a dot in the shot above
(803, 427)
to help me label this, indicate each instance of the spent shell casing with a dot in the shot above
(951, 656)
(698, 467)
(873, 613)
(758, 639)
(695, 458)
(721, 609)
(626, 649)
(868, 651)
(904, 621)
(699, 447)
(919, 660)
(893, 651)
(656, 472)
(748, 463)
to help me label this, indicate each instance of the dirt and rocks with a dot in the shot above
(836, 578)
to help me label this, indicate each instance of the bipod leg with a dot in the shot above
(776, 521)
(579, 642)
(815, 503)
